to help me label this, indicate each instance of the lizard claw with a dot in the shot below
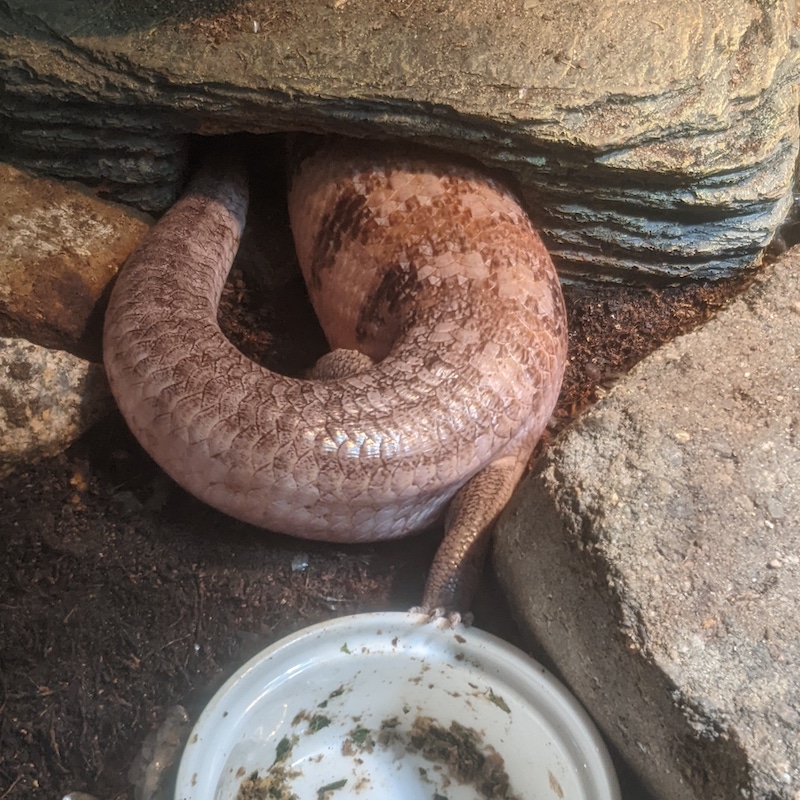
(442, 617)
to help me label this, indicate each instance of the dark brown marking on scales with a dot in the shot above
(344, 221)
(382, 310)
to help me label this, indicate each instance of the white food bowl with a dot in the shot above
(387, 706)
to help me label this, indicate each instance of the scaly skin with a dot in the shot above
(430, 270)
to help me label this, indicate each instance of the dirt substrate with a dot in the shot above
(121, 596)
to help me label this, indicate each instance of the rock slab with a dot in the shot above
(650, 140)
(48, 398)
(59, 249)
(655, 554)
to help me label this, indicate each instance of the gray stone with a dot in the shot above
(59, 249)
(649, 139)
(655, 554)
(48, 398)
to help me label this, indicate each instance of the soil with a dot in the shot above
(122, 596)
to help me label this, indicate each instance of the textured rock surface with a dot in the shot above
(47, 399)
(59, 248)
(656, 555)
(649, 138)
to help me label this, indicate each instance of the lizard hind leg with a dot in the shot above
(458, 563)
(340, 363)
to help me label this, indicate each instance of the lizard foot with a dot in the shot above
(442, 617)
(340, 363)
